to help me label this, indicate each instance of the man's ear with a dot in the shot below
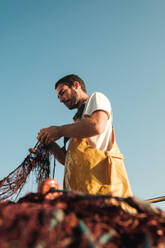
(76, 84)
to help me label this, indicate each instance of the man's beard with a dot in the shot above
(73, 102)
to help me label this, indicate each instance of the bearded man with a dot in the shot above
(93, 162)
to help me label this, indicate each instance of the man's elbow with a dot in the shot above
(99, 128)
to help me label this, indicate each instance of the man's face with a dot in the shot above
(67, 95)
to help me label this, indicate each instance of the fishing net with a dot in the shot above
(78, 220)
(38, 160)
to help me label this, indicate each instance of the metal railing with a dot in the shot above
(156, 199)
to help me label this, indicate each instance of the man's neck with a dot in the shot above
(83, 100)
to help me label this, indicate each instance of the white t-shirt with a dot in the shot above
(98, 101)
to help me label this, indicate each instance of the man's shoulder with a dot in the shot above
(98, 96)
(97, 93)
(97, 101)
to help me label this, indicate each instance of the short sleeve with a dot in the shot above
(97, 101)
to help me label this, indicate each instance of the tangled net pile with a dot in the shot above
(76, 220)
(37, 160)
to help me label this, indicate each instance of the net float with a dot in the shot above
(47, 188)
(32, 150)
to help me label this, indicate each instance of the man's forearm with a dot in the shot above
(81, 129)
(57, 151)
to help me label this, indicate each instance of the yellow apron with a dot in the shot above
(91, 171)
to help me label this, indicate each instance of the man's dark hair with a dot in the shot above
(69, 80)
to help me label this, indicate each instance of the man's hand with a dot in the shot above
(49, 135)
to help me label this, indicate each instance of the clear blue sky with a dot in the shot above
(116, 46)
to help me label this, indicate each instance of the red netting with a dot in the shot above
(38, 160)
(74, 220)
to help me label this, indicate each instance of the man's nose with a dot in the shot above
(61, 98)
